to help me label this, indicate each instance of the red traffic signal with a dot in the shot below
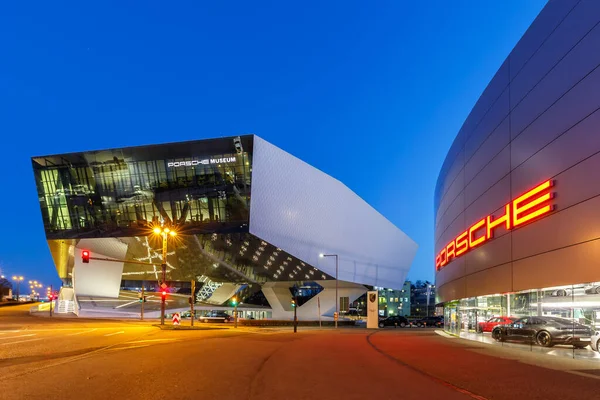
(85, 256)
(163, 295)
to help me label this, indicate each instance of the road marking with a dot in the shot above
(79, 333)
(152, 340)
(130, 347)
(21, 341)
(15, 337)
(116, 333)
(127, 304)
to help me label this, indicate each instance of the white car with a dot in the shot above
(596, 341)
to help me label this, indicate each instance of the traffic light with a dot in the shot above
(293, 303)
(163, 295)
(234, 301)
(190, 300)
(141, 299)
(85, 256)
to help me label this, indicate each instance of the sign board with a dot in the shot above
(372, 310)
(176, 319)
(163, 285)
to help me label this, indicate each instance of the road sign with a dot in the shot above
(163, 285)
(176, 319)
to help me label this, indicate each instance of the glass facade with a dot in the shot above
(202, 187)
(563, 320)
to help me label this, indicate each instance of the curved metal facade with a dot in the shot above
(537, 120)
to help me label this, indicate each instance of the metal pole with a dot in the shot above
(18, 289)
(51, 300)
(319, 308)
(235, 314)
(143, 299)
(295, 317)
(336, 291)
(192, 303)
(164, 278)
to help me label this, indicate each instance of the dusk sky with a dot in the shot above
(371, 93)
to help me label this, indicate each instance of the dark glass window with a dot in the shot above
(202, 187)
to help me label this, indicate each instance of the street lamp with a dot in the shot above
(164, 232)
(337, 315)
(18, 279)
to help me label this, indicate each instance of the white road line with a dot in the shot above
(152, 340)
(15, 337)
(79, 333)
(127, 304)
(21, 341)
(115, 333)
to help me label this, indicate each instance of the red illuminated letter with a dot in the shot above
(443, 258)
(450, 250)
(438, 261)
(505, 219)
(474, 228)
(462, 243)
(519, 209)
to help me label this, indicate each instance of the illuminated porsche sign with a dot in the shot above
(525, 208)
(206, 161)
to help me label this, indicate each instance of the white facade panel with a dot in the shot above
(305, 212)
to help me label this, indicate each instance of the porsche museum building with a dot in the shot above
(252, 221)
(517, 201)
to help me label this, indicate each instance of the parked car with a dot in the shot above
(215, 316)
(545, 331)
(436, 322)
(595, 342)
(394, 320)
(592, 289)
(490, 324)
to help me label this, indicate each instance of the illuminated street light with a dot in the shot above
(337, 314)
(164, 232)
(18, 279)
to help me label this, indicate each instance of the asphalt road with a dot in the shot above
(82, 359)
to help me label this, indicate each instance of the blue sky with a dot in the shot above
(372, 93)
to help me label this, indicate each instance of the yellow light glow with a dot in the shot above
(167, 230)
(157, 231)
(173, 233)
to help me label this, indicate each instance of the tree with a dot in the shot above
(5, 286)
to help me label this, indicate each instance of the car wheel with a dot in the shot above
(497, 335)
(381, 325)
(544, 339)
(402, 324)
(419, 325)
(598, 346)
(597, 290)
(561, 292)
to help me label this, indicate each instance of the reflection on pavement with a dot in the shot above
(558, 350)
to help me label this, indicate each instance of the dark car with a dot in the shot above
(215, 316)
(395, 320)
(435, 322)
(545, 331)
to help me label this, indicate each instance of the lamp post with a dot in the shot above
(164, 232)
(18, 279)
(337, 315)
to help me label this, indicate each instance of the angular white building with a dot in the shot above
(251, 219)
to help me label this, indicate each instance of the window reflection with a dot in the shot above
(118, 192)
(570, 314)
